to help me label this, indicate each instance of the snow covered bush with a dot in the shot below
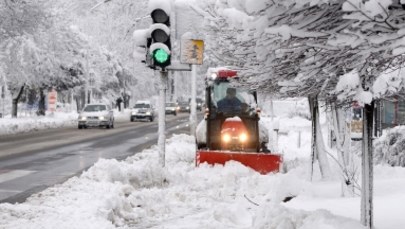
(390, 148)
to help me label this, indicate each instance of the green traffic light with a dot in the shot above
(160, 55)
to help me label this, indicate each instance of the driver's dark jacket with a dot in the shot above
(229, 104)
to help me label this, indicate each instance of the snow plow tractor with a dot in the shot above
(231, 129)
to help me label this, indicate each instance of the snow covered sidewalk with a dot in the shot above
(26, 124)
(138, 193)
(10, 125)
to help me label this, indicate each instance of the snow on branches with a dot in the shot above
(296, 48)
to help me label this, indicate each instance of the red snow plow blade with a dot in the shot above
(261, 162)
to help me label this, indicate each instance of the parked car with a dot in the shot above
(143, 110)
(171, 108)
(199, 103)
(96, 115)
(184, 107)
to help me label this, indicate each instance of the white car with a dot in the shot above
(172, 108)
(96, 115)
(143, 110)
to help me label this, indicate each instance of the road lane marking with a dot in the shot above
(14, 174)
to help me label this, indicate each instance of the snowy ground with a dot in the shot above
(138, 193)
(31, 122)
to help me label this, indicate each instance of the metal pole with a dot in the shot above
(162, 116)
(91, 94)
(86, 83)
(271, 109)
(193, 115)
(367, 167)
(2, 98)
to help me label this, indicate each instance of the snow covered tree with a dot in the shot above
(19, 20)
(301, 48)
(110, 26)
(51, 56)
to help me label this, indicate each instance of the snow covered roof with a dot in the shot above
(143, 102)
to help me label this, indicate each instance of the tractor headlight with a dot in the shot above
(226, 138)
(243, 137)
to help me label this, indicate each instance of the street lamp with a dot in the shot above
(92, 85)
(3, 95)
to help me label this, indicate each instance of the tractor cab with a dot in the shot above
(230, 129)
(232, 117)
(228, 100)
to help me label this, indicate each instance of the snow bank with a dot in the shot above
(138, 193)
(26, 124)
(34, 123)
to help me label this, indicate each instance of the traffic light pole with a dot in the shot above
(162, 116)
(193, 114)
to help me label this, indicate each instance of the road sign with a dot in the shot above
(192, 51)
(52, 98)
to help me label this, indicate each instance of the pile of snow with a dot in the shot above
(10, 125)
(390, 147)
(139, 193)
(31, 123)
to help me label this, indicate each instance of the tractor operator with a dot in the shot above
(229, 103)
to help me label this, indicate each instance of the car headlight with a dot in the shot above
(101, 117)
(148, 113)
(83, 118)
(187, 107)
(243, 137)
(133, 113)
(226, 138)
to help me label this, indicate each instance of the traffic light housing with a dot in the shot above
(159, 47)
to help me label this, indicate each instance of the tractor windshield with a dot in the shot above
(233, 101)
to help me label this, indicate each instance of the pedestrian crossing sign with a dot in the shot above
(192, 52)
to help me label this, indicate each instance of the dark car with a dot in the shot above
(199, 103)
(184, 107)
(171, 108)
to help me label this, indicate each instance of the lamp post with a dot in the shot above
(92, 84)
(3, 95)
(88, 79)
(85, 56)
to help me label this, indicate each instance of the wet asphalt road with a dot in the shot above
(31, 162)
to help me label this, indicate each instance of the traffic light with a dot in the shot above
(159, 46)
